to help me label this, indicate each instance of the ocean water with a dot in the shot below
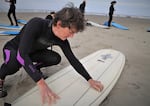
(136, 8)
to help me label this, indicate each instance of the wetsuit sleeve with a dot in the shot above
(27, 39)
(74, 61)
(111, 10)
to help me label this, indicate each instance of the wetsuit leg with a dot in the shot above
(110, 19)
(10, 65)
(45, 58)
(9, 13)
(14, 15)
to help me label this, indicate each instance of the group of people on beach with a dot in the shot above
(12, 10)
(29, 48)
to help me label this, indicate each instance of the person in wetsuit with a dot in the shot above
(50, 16)
(111, 11)
(29, 50)
(12, 10)
(82, 6)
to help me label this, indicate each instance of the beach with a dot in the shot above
(132, 88)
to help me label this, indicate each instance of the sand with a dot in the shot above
(132, 88)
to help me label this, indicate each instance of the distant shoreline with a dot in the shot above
(124, 8)
(120, 15)
(87, 13)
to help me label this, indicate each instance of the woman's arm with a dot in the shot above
(97, 85)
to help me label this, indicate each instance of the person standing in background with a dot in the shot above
(12, 10)
(50, 16)
(82, 6)
(111, 11)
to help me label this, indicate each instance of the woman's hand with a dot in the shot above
(96, 84)
(48, 96)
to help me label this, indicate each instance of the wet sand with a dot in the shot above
(132, 88)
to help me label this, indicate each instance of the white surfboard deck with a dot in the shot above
(104, 65)
(97, 25)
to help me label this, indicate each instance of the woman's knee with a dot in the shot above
(56, 59)
(52, 59)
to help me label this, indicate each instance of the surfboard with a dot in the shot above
(97, 25)
(4, 26)
(9, 32)
(116, 25)
(103, 65)
(21, 21)
(119, 26)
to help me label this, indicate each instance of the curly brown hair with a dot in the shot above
(70, 17)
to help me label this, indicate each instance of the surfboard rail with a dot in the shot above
(9, 32)
(97, 25)
(5, 26)
(21, 21)
(116, 25)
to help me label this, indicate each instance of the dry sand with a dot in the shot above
(133, 86)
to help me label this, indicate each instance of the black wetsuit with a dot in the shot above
(82, 7)
(31, 46)
(111, 11)
(12, 10)
(49, 17)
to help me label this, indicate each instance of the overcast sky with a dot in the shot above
(123, 7)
